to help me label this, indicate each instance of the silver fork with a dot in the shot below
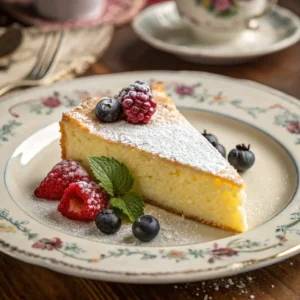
(44, 63)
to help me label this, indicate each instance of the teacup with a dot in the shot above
(219, 20)
(64, 10)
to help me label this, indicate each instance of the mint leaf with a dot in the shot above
(102, 170)
(116, 179)
(114, 176)
(135, 204)
(131, 204)
(122, 179)
(119, 204)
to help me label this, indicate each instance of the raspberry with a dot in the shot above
(59, 178)
(82, 201)
(137, 102)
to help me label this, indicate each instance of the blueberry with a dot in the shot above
(145, 228)
(220, 148)
(108, 110)
(210, 137)
(107, 221)
(241, 158)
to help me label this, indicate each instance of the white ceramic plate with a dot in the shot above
(161, 26)
(236, 111)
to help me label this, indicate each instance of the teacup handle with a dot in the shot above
(253, 22)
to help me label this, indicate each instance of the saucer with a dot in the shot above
(117, 12)
(161, 26)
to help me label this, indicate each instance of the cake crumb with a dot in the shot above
(175, 287)
(207, 287)
(272, 286)
(230, 281)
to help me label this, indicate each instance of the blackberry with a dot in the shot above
(137, 102)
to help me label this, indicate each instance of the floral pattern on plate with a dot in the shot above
(215, 252)
(221, 8)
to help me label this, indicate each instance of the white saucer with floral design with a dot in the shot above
(236, 111)
(161, 26)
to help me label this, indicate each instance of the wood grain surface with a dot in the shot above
(281, 70)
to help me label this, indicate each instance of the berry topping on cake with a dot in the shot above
(108, 110)
(59, 178)
(137, 102)
(108, 222)
(146, 228)
(82, 201)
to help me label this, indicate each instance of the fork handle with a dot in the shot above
(17, 84)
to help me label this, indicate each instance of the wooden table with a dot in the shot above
(19, 280)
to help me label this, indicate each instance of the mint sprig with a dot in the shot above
(117, 180)
(113, 176)
(131, 204)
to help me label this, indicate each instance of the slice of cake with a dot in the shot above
(174, 166)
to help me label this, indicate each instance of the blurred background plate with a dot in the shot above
(117, 12)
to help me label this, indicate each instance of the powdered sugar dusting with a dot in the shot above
(168, 135)
(174, 231)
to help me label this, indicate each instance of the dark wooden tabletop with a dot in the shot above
(281, 70)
